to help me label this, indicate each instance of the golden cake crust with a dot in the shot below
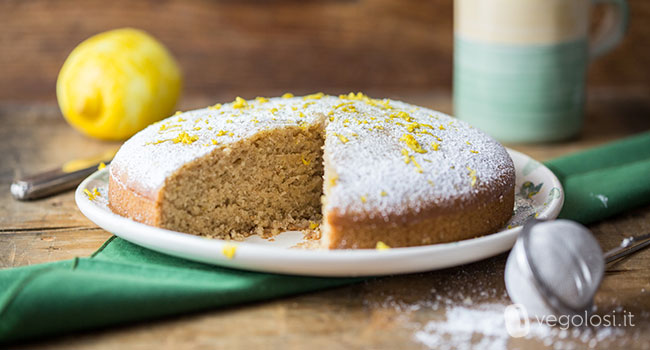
(129, 203)
(429, 226)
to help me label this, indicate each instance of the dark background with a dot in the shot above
(249, 48)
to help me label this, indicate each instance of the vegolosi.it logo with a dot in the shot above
(516, 320)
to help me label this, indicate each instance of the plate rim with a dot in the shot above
(249, 255)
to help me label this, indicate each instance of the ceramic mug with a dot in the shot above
(520, 65)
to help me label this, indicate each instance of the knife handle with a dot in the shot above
(49, 183)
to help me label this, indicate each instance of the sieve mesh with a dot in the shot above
(568, 261)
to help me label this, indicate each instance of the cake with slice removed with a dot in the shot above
(370, 170)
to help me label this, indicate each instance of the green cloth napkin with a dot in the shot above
(606, 180)
(123, 282)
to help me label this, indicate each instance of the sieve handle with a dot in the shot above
(627, 247)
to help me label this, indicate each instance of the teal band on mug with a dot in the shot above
(520, 93)
(530, 89)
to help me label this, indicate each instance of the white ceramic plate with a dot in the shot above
(538, 193)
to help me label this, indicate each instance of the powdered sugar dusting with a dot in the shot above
(379, 172)
(378, 168)
(483, 327)
(462, 324)
(463, 308)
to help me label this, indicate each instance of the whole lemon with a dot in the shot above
(115, 83)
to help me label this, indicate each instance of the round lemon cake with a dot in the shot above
(364, 171)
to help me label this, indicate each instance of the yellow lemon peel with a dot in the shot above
(382, 246)
(239, 103)
(412, 143)
(229, 251)
(92, 195)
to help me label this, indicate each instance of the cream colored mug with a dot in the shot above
(520, 65)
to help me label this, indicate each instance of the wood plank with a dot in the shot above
(36, 246)
(249, 47)
(266, 47)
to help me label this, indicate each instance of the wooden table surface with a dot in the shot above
(386, 313)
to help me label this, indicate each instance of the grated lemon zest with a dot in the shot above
(382, 246)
